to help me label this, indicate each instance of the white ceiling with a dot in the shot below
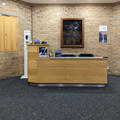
(69, 1)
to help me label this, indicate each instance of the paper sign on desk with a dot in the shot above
(43, 52)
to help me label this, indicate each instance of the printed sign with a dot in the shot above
(103, 28)
(103, 34)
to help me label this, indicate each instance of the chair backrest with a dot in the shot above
(68, 55)
(86, 55)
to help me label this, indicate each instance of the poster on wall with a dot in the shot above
(103, 34)
(72, 33)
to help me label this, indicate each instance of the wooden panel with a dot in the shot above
(33, 64)
(1, 33)
(73, 71)
(52, 75)
(88, 63)
(87, 71)
(14, 36)
(11, 33)
(33, 73)
(32, 49)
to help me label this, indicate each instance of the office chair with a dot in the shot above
(86, 55)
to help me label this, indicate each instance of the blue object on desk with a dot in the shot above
(58, 53)
(36, 41)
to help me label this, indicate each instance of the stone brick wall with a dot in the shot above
(11, 63)
(115, 40)
(46, 26)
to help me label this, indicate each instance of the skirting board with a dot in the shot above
(68, 85)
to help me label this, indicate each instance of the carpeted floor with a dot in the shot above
(19, 101)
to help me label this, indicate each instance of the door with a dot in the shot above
(2, 33)
(11, 33)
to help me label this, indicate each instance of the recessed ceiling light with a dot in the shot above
(57, 14)
(3, 3)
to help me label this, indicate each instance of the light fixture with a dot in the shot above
(3, 3)
(57, 14)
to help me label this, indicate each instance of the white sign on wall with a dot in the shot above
(103, 28)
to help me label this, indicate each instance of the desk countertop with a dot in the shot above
(77, 58)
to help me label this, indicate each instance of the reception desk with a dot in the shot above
(74, 70)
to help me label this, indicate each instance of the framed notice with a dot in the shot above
(43, 52)
(72, 33)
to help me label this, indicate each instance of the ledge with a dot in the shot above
(52, 58)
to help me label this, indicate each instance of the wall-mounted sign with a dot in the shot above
(72, 33)
(103, 34)
(103, 28)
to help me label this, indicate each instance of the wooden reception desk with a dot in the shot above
(65, 70)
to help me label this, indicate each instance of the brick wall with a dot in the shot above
(46, 26)
(115, 40)
(11, 63)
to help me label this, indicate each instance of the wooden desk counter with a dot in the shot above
(65, 70)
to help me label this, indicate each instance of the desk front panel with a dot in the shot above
(65, 70)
